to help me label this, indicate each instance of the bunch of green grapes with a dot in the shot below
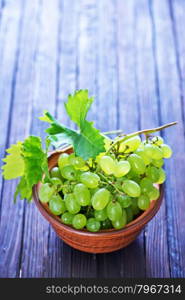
(109, 191)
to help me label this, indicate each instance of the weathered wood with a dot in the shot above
(171, 109)
(177, 10)
(84, 264)
(128, 115)
(12, 217)
(106, 95)
(66, 84)
(130, 55)
(148, 98)
(9, 32)
(38, 260)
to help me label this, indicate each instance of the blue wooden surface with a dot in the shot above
(131, 56)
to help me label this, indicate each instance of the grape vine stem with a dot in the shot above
(112, 132)
(145, 131)
(109, 182)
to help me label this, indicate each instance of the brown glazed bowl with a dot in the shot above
(103, 241)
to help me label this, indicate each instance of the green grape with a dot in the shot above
(158, 163)
(143, 202)
(100, 199)
(114, 211)
(153, 173)
(107, 143)
(93, 191)
(166, 151)
(107, 164)
(158, 140)
(76, 162)
(56, 181)
(154, 194)
(162, 176)
(107, 224)
(137, 163)
(141, 146)
(78, 174)
(121, 222)
(100, 215)
(131, 188)
(124, 200)
(45, 192)
(130, 144)
(82, 194)
(153, 151)
(55, 172)
(134, 207)
(147, 160)
(71, 204)
(63, 160)
(121, 168)
(68, 172)
(93, 225)
(91, 180)
(146, 185)
(57, 205)
(79, 221)
(67, 218)
(133, 176)
(129, 213)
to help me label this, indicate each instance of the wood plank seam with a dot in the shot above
(12, 96)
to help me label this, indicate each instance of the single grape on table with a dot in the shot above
(110, 191)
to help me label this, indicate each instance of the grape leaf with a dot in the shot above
(28, 160)
(87, 143)
(35, 159)
(77, 106)
(23, 189)
(14, 163)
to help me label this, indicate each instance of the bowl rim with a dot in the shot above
(140, 221)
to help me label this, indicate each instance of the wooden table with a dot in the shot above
(131, 56)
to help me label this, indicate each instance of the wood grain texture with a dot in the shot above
(129, 114)
(9, 31)
(171, 108)
(66, 84)
(36, 250)
(130, 56)
(148, 98)
(12, 216)
(86, 76)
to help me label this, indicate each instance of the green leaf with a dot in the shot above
(29, 161)
(78, 105)
(87, 143)
(34, 158)
(90, 142)
(23, 189)
(45, 117)
(14, 163)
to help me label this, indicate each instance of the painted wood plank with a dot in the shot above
(84, 264)
(39, 251)
(156, 250)
(177, 11)
(171, 109)
(9, 33)
(12, 217)
(132, 260)
(66, 84)
(107, 101)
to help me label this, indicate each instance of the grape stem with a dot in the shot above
(109, 182)
(145, 131)
(112, 132)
